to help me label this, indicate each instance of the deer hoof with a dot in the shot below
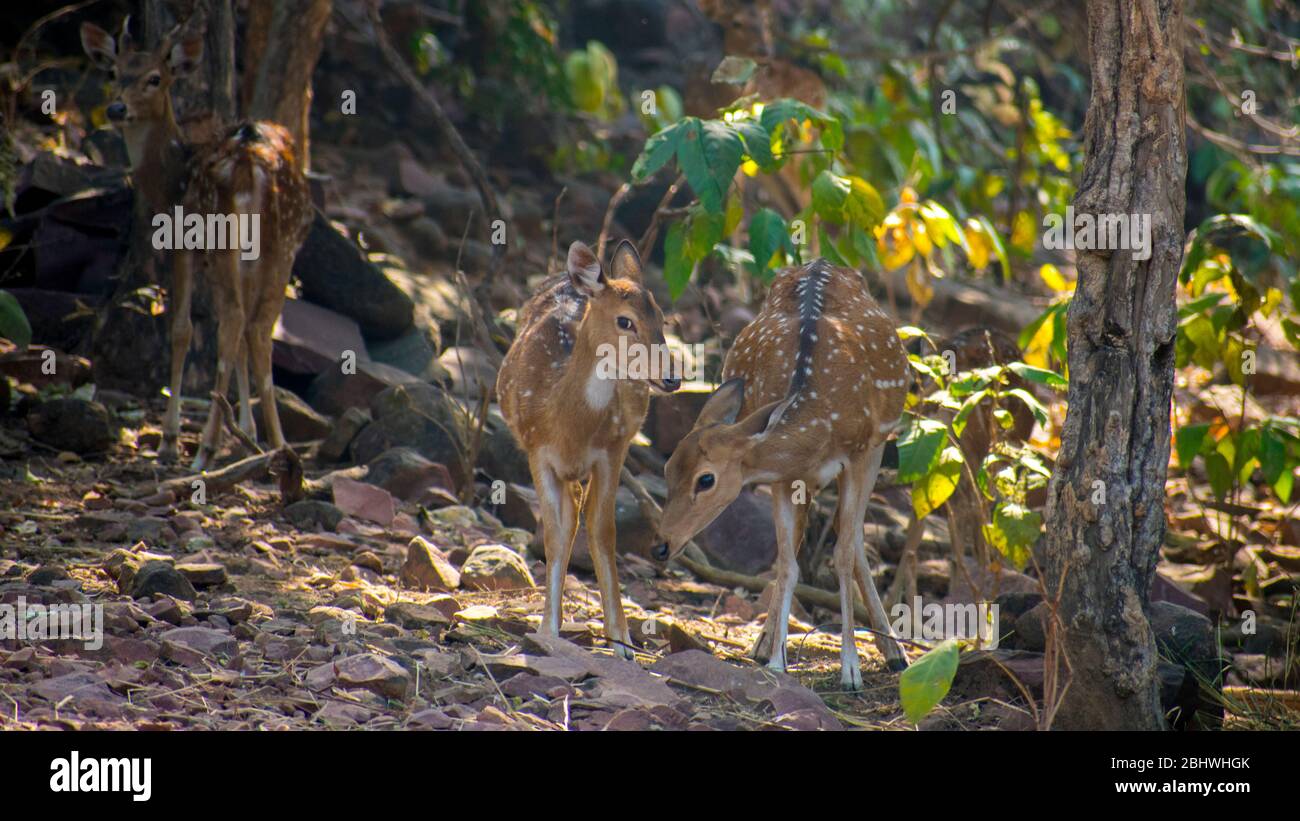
(851, 679)
(897, 665)
(761, 651)
(168, 452)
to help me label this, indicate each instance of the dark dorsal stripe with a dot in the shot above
(811, 293)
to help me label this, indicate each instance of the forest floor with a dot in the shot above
(250, 622)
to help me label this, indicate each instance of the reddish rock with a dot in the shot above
(426, 568)
(364, 500)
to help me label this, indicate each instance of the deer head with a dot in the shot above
(622, 314)
(141, 79)
(711, 465)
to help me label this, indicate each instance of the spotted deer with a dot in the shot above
(248, 174)
(814, 386)
(972, 347)
(575, 417)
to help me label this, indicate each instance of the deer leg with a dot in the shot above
(559, 524)
(601, 542)
(789, 519)
(903, 589)
(861, 475)
(246, 423)
(846, 561)
(230, 331)
(258, 343)
(182, 331)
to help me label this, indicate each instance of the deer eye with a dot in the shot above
(704, 482)
(155, 80)
(625, 324)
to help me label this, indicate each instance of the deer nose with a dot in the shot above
(116, 111)
(660, 552)
(671, 383)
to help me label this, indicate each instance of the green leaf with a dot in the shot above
(1188, 441)
(758, 143)
(927, 680)
(658, 150)
(703, 231)
(999, 249)
(1219, 472)
(919, 448)
(677, 266)
(709, 153)
(13, 321)
(933, 489)
(829, 192)
(1014, 530)
(1036, 407)
(967, 407)
(767, 235)
(1040, 375)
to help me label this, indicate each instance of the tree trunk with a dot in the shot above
(1105, 510)
(283, 44)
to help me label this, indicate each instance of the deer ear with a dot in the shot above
(724, 405)
(584, 269)
(185, 55)
(99, 46)
(626, 263)
(761, 421)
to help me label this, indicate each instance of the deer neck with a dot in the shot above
(157, 156)
(589, 394)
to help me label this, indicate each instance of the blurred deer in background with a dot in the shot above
(814, 386)
(249, 172)
(574, 418)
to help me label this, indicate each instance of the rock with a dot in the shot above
(311, 514)
(335, 445)
(32, 366)
(501, 457)
(341, 714)
(495, 567)
(988, 583)
(364, 501)
(406, 474)
(203, 640)
(700, 668)
(372, 672)
(1031, 628)
(743, 537)
(672, 415)
(149, 529)
(415, 616)
(470, 370)
(334, 391)
(415, 352)
(160, 578)
(46, 575)
(1187, 640)
(979, 676)
(76, 691)
(71, 423)
(426, 568)
(423, 433)
(1162, 589)
(335, 273)
(621, 683)
(369, 561)
(1212, 583)
(298, 420)
(202, 574)
(310, 339)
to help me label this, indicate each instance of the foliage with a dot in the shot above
(13, 321)
(930, 455)
(927, 680)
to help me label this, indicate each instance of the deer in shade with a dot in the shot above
(576, 418)
(249, 171)
(813, 388)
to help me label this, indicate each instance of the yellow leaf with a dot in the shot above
(918, 284)
(1023, 233)
(979, 248)
(1054, 279)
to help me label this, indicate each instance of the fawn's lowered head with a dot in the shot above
(708, 468)
(623, 323)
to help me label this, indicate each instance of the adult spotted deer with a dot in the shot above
(575, 415)
(248, 177)
(814, 386)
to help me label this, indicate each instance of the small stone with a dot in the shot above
(202, 574)
(426, 568)
(415, 616)
(372, 672)
(160, 578)
(495, 567)
(310, 514)
(203, 640)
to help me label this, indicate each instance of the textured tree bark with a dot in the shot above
(283, 44)
(1105, 510)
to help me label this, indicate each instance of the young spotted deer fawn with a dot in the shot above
(247, 177)
(814, 386)
(574, 418)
